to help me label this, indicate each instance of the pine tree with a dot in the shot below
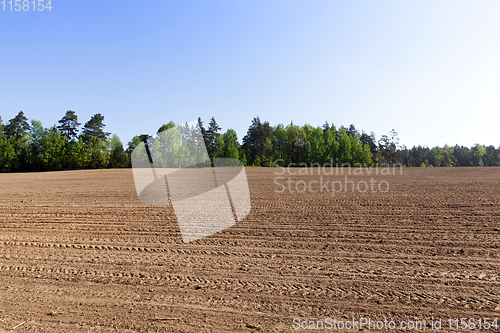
(16, 132)
(254, 142)
(17, 127)
(214, 144)
(69, 125)
(352, 131)
(94, 129)
(203, 132)
(325, 127)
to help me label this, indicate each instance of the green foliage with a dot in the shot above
(26, 147)
(177, 148)
(345, 153)
(17, 127)
(370, 141)
(98, 153)
(243, 157)
(436, 156)
(492, 156)
(331, 143)
(7, 153)
(69, 125)
(165, 127)
(477, 152)
(279, 141)
(367, 156)
(17, 132)
(77, 155)
(213, 141)
(135, 142)
(117, 156)
(314, 146)
(388, 148)
(447, 157)
(93, 129)
(294, 143)
(231, 145)
(462, 155)
(52, 149)
(255, 141)
(36, 148)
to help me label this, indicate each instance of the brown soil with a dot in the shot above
(80, 253)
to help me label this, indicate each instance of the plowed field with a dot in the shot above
(80, 253)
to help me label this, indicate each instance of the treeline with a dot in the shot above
(31, 147)
(447, 156)
(263, 144)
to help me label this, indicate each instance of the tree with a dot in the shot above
(267, 154)
(7, 153)
(231, 145)
(47, 148)
(94, 129)
(462, 155)
(17, 127)
(331, 144)
(117, 156)
(419, 156)
(213, 142)
(132, 144)
(325, 127)
(388, 147)
(203, 132)
(447, 154)
(165, 127)
(369, 140)
(136, 140)
(17, 133)
(436, 156)
(345, 152)
(294, 145)
(69, 125)
(98, 153)
(352, 131)
(35, 147)
(78, 157)
(52, 149)
(477, 152)
(492, 157)
(366, 156)
(243, 156)
(315, 145)
(254, 142)
(279, 140)
(26, 146)
(359, 154)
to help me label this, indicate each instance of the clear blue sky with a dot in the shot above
(429, 69)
